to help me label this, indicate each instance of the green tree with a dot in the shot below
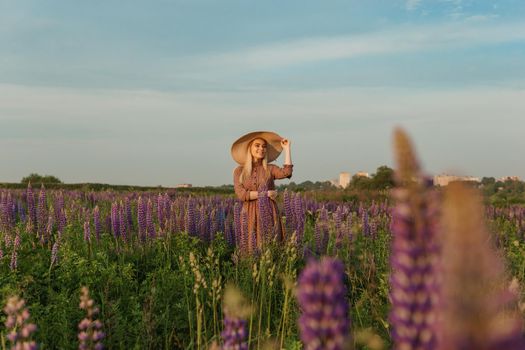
(360, 183)
(383, 178)
(35, 178)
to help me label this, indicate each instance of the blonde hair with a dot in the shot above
(247, 167)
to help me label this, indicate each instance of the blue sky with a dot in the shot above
(155, 92)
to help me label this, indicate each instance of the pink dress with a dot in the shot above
(250, 208)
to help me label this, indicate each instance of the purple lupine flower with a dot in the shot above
(365, 223)
(160, 210)
(96, 223)
(11, 210)
(129, 215)
(18, 240)
(318, 237)
(299, 217)
(201, 223)
(21, 212)
(90, 334)
(478, 309)
(338, 218)
(149, 220)
(228, 232)
(115, 225)
(141, 218)
(288, 211)
(373, 229)
(8, 220)
(339, 232)
(221, 217)
(414, 256)
(42, 213)
(321, 293)
(58, 205)
(49, 227)
(191, 223)
(14, 260)
(123, 222)
(7, 240)
(237, 226)
(214, 224)
(3, 211)
(107, 223)
(54, 252)
(235, 311)
(87, 232)
(19, 330)
(234, 334)
(166, 205)
(62, 221)
(31, 209)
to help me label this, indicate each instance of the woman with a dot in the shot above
(254, 184)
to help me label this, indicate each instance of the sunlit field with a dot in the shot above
(175, 270)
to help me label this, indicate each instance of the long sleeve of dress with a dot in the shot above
(242, 193)
(281, 173)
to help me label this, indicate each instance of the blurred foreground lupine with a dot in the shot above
(19, 330)
(236, 311)
(324, 321)
(478, 311)
(414, 256)
(90, 330)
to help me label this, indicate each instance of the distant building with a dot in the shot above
(362, 174)
(344, 179)
(334, 182)
(183, 186)
(509, 178)
(444, 180)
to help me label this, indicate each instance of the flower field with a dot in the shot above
(428, 269)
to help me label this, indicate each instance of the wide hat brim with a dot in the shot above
(273, 145)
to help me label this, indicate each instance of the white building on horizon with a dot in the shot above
(509, 178)
(362, 174)
(445, 179)
(344, 179)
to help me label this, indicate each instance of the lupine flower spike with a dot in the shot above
(19, 330)
(414, 254)
(236, 311)
(324, 321)
(478, 310)
(90, 329)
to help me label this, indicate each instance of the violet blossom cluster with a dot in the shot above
(234, 333)
(414, 255)
(19, 329)
(115, 225)
(96, 223)
(321, 293)
(42, 217)
(90, 334)
(141, 219)
(150, 225)
(31, 209)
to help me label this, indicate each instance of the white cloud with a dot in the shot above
(411, 5)
(406, 39)
(481, 18)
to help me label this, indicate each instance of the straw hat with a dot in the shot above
(273, 145)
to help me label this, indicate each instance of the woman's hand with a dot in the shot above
(285, 143)
(272, 194)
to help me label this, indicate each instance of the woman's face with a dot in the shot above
(258, 149)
